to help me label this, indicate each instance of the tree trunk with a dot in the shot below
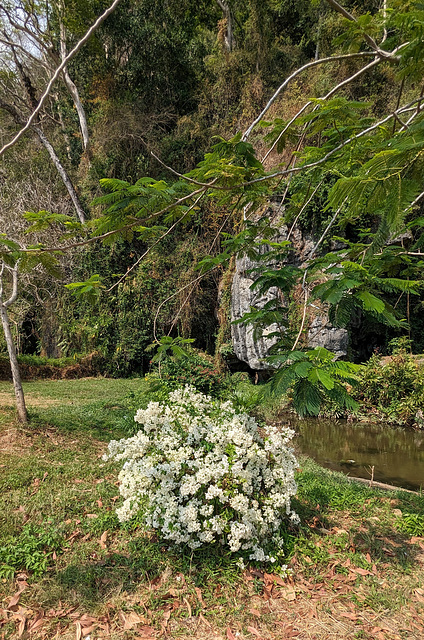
(80, 110)
(62, 126)
(62, 172)
(72, 88)
(16, 376)
(13, 359)
(230, 41)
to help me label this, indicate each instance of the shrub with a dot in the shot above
(195, 370)
(200, 473)
(395, 389)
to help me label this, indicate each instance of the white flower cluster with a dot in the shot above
(201, 473)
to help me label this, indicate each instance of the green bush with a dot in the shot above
(393, 390)
(196, 370)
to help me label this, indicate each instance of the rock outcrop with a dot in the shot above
(252, 349)
(247, 347)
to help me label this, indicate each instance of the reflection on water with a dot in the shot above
(396, 454)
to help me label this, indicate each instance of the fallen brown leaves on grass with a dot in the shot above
(303, 617)
(328, 597)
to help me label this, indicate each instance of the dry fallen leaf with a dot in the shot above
(268, 591)
(188, 606)
(86, 631)
(21, 626)
(22, 585)
(287, 631)
(274, 579)
(78, 630)
(419, 594)
(130, 619)
(37, 623)
(146, 633)
(73, 536)
(199, 596)
(166, 616)
(103, 539)
(349, 616)
(230, 634)
(203, 619)
(417, 540)
(361, 572)
(288, 593)
(254, 631)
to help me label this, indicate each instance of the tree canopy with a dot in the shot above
(338, 143)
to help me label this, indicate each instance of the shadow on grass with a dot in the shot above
(321, 492)
(386, 545)
(147, 563)
(93, 581)
(374, 527)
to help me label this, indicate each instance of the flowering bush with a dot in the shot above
(200, 473)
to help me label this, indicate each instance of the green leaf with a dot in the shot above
(370, 302)
(325, 379)
(90, 288)
(307, 398)
(302, 369)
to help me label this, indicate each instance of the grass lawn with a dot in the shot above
(69, 569)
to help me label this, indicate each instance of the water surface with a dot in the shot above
(354, 448)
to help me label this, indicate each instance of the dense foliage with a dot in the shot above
(393, 390)
(339, 146)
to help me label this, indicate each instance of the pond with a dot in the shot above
(396, 454)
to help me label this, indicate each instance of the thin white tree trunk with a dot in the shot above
(62, 172)
(13, 359)
(72, 88)
(62, 126)
(80, 109)
(230, 41)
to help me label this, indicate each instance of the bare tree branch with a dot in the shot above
(108, 234)
(62, 172)
(167, 232)
(72, 88)
(57, 73)
(309, 65)
(317, 163)
(370, 41)
(326, 97)
(14, 293)
(229, 40)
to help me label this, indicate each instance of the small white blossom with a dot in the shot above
(202, 474)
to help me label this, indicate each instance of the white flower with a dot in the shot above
(200, 473)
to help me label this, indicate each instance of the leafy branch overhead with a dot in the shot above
(343, 166)
(313, 377)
